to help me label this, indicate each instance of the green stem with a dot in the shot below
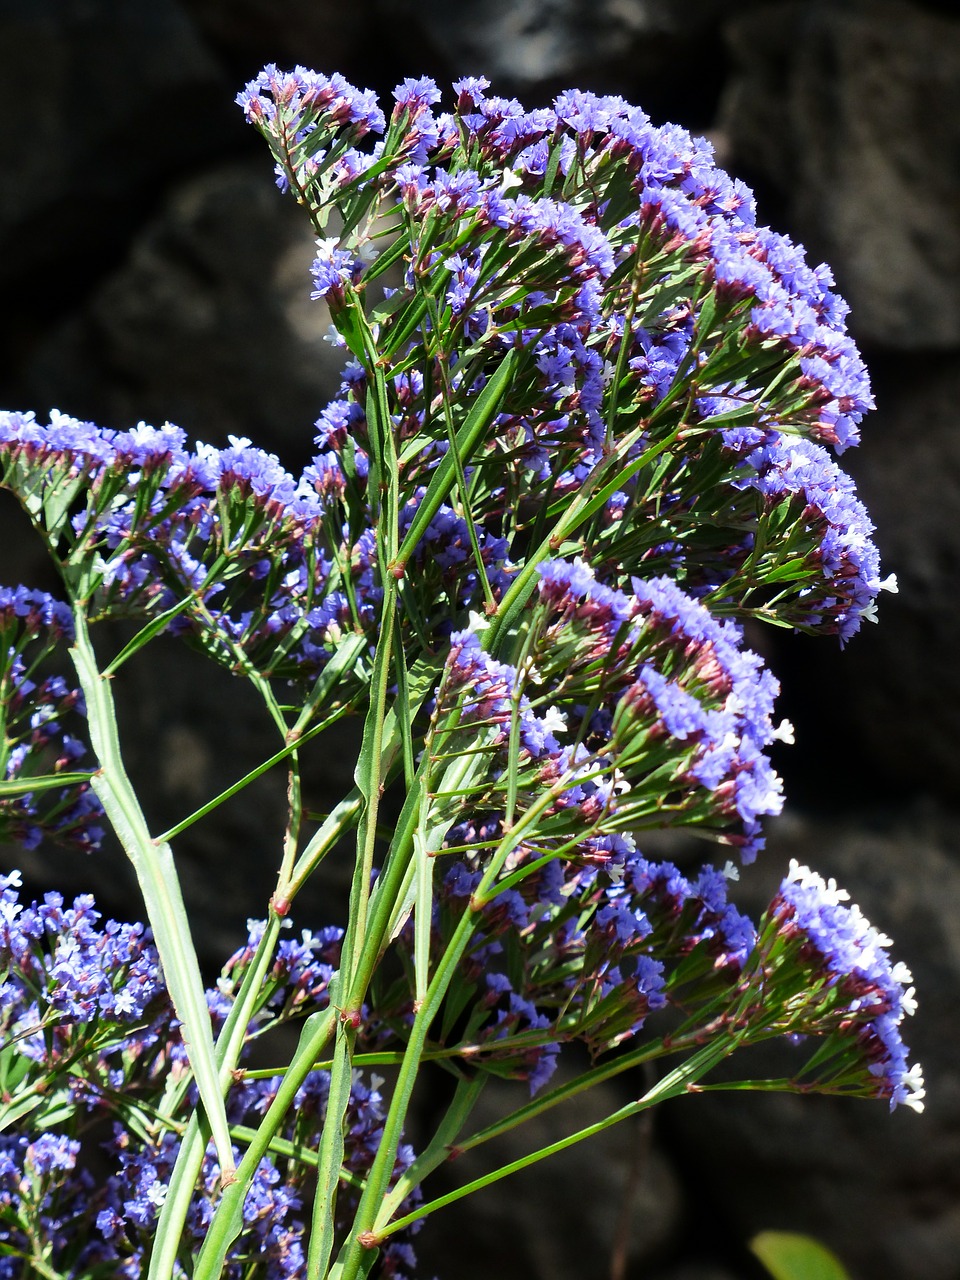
(330, 1155)
(189, 1162)
(681, 1080)
(437, 1151)
(157, 874)
(227, 1221)
(354, 1254)
(252, 776)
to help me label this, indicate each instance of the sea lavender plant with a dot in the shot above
(582, 438)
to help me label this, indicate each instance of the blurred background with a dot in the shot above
(150, 270)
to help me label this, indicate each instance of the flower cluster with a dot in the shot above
(851, 991)
(222, 538)
(631, 710)
(41, 719)
(75, 994)
(587, 950)
(650, 310)
(582, 434)
(61, 972)
(628, 711)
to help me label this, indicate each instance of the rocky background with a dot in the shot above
(149, 270)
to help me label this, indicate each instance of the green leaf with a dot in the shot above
(153, 862)
(26, 785)
(790, 1256)
(443, 478)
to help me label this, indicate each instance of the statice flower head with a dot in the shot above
(85, 1008)
(668, 687)
(512, 263)
(41, 719)
(67, 980)
(227, 541)
(311, 122)
(42, 1194)
(853, 993)
(841, 548)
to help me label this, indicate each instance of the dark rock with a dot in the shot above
(644, 49)
(308, 32)
(893, 696)
(697, 1271)
(106, 101)
(848, 111)
(208, 324)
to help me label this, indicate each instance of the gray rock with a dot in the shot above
(535, 47)
(881, 1190)
(904, 679)
(208, 323)
(696, 1271)
(324, 35)
(848, 112)
(94, 90)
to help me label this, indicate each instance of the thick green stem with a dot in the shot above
(227, 1221)
(157, 874)
(189, 1162)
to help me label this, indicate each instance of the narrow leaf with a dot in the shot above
(443, 478)
(25, 785)
(157, 874)
(789, 1256)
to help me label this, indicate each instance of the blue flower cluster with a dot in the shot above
(41, 718)
(650, 309)
(650, 317)
(863, 998)
(586, 950)
(636, 709)
(628, 711)
(87, 1028)
(582, 433)
(223, 535)
(63, 975)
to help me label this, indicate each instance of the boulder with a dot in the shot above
(208, 323)
(613, 1196)
(890, 702)
(106, 102)
(847, 111)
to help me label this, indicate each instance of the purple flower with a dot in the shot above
(867, 996)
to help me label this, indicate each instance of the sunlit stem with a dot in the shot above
(227, 1221)
(681, 1080)
(351, 1260)
(189, 1162)
(157, 874)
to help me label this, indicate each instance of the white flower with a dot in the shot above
(913, 1080)
(784, 733)
(124, 1001)
(808, 879)
(157, 1193)
(554, 720)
